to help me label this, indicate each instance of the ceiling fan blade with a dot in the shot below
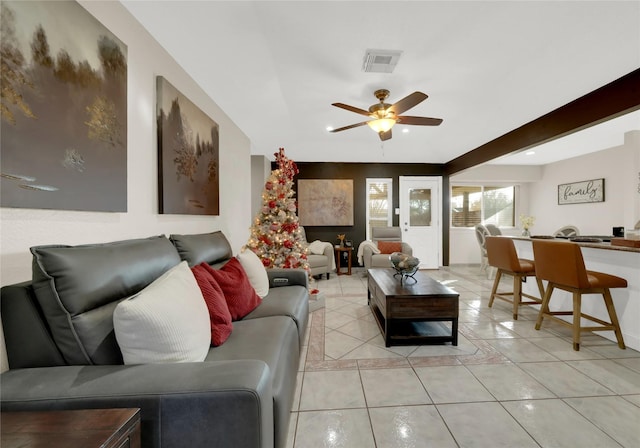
(408, 102)
(420, 121)
(385, 135)
(352, 109)
(351, 126)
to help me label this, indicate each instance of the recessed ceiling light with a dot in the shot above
(405, 130)
(329, 128)
(529, 153)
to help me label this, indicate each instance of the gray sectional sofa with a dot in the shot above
(63, 354)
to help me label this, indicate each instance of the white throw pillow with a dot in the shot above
(317, 247)
(255, 271)
(168, 321)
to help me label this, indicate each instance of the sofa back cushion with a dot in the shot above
(386, 234)
(210, 248)
(78, 288)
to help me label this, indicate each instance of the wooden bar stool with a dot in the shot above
(503, 256)
(561, 264)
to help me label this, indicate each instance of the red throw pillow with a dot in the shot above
(389, 247)
(219, 314)
(240, 296)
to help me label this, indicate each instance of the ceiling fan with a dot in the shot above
(384, 116)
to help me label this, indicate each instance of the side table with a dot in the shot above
(88, 428)
(338, 251)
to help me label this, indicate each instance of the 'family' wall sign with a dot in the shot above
(581, 192)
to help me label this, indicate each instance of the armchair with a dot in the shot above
(320, 256)
(370, 253)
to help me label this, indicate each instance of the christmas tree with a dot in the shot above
(275, 234)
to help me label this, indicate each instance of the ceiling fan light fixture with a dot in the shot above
(381, 124)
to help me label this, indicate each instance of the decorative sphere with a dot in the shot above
(403, 263)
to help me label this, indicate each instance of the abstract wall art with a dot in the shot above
(188, 155)
(325, 202)
(64, 109)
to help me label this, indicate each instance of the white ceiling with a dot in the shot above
(488, 67)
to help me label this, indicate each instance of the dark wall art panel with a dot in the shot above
(188, 155)
(64, 109)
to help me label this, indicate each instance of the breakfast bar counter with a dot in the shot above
(604, 257)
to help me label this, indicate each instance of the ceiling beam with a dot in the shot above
(614, 99)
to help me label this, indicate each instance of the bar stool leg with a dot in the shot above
(496, 282)
(545, 305)
(608, 301)
(540, 288)
(577, 300)
(517, 295)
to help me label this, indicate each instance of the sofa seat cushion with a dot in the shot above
(380, 261)
(291, 301)
(273, 340)
(318, 261)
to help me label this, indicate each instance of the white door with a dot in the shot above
(420, 218)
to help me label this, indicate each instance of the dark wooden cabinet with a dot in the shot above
(87, 428)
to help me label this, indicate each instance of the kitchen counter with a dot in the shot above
(603, 245)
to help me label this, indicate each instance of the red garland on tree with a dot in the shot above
(275, 233)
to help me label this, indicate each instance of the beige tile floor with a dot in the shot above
(504, 385)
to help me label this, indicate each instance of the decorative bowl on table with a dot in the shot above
(404, 265)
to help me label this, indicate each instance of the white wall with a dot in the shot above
(620, 168)
(23, 228)
(260, 171)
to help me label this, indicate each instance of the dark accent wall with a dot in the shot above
(359, 172)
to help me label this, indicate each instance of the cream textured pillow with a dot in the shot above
(168, 321)
(255, 271)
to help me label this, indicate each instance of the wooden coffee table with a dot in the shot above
(413, 313)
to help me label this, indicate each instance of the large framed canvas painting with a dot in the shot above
(64, 109)
(188, 155)
(325, 202)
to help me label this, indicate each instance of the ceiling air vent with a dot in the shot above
(380, 61)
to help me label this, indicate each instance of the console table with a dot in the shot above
(411, 313)
(87, 428)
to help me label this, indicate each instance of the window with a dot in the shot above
(420, 207)
(471, 205)
(379, 204)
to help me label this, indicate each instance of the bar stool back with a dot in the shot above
(562, 266)
(502, 255)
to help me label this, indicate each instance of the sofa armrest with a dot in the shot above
(367, 253)
(329, 253)
(287, 277)
(220, 403)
